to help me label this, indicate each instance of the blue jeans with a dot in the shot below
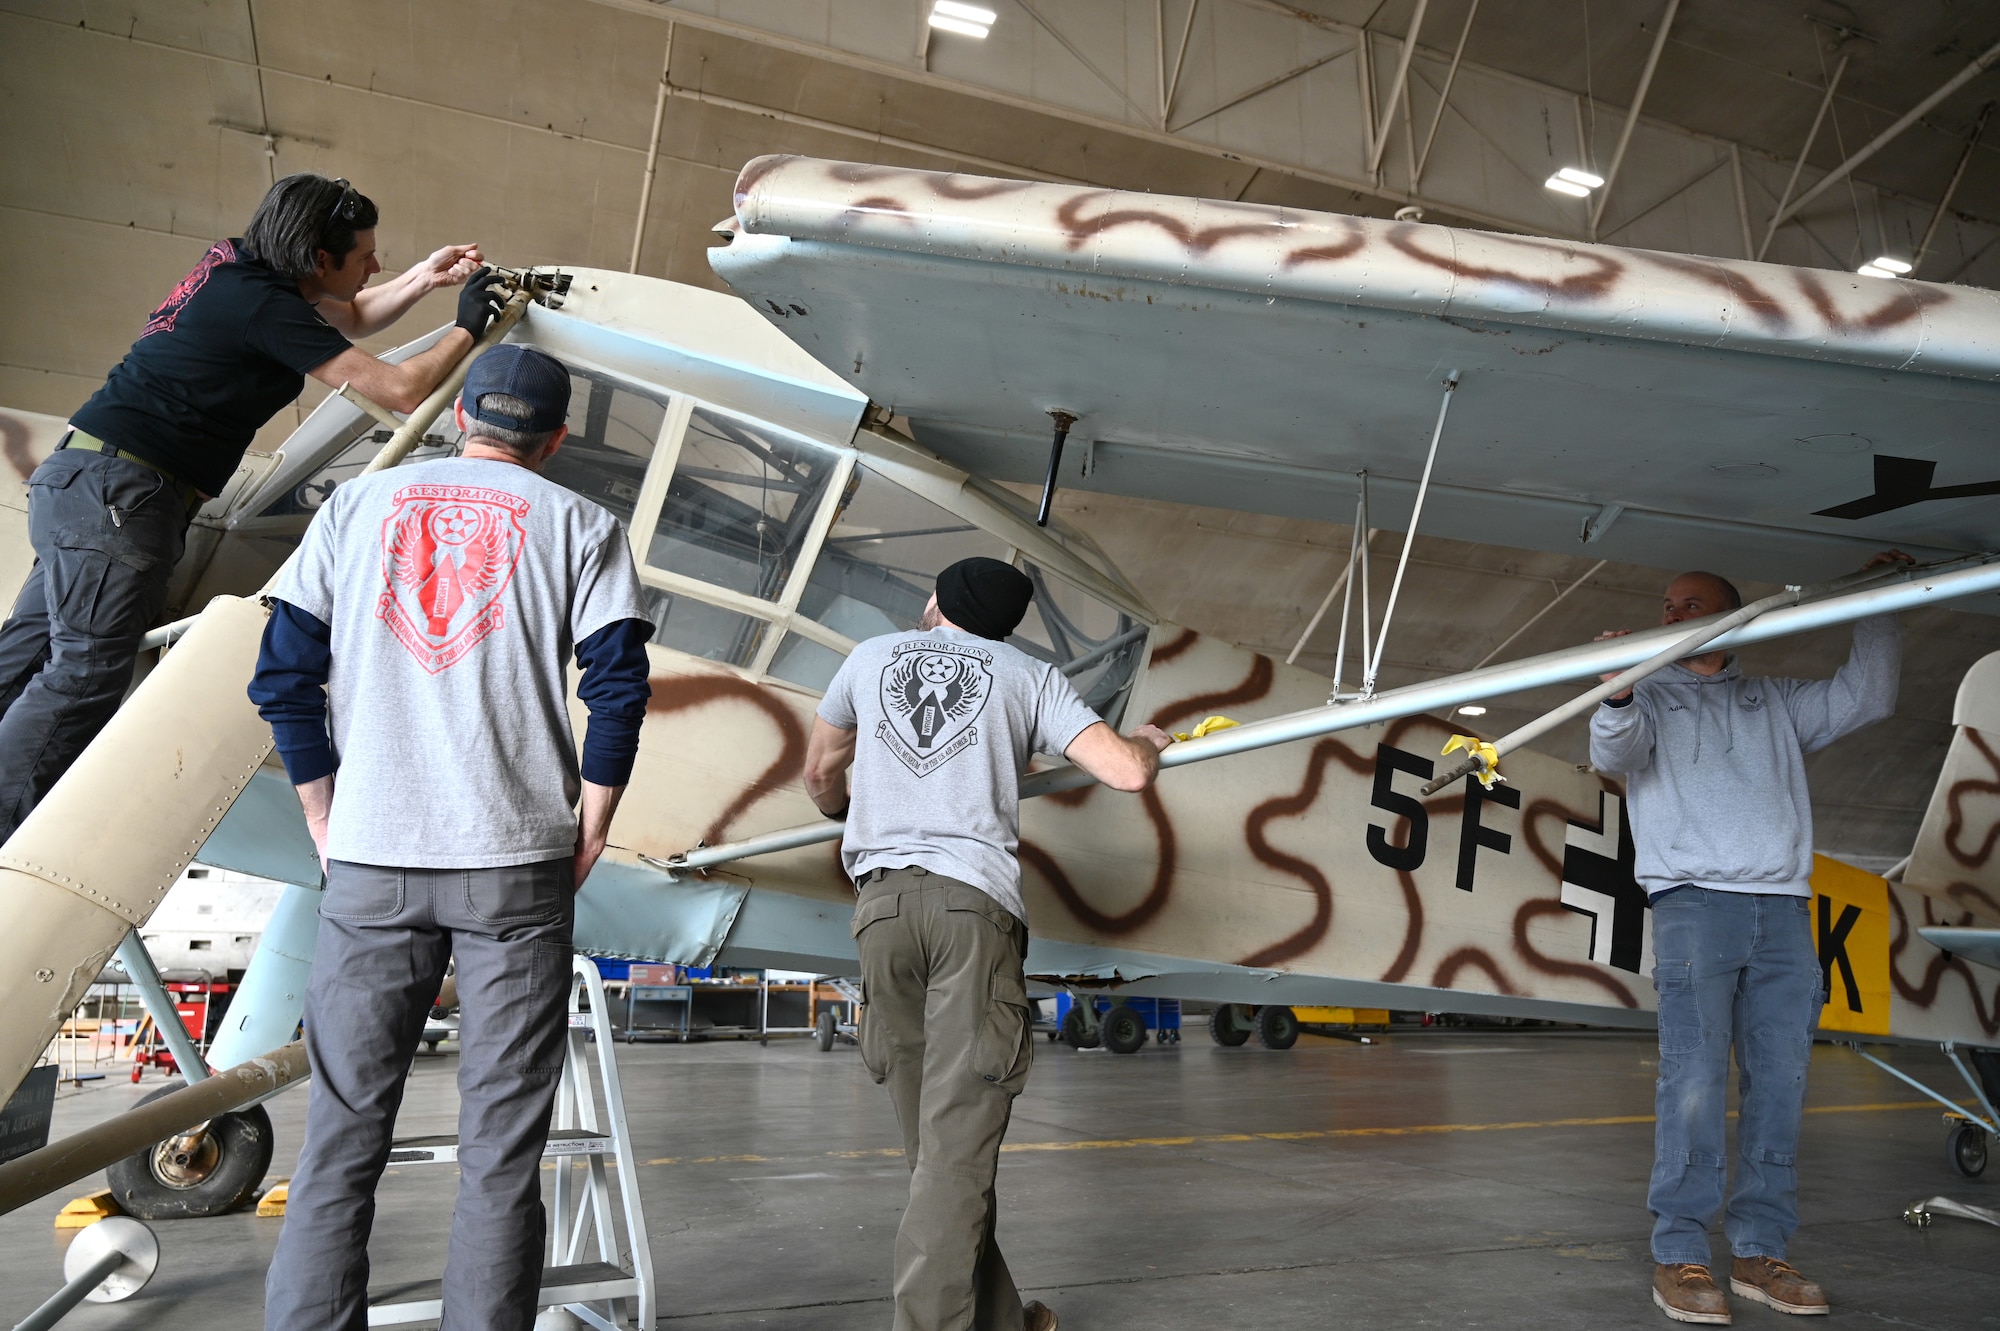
(1738, 970)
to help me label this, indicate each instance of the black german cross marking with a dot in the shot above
(1833, 951)
(1598, 882)
(1900, 482)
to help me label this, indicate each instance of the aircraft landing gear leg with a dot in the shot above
(1080, 1029)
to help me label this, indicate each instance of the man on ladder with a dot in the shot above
(938, 725)
(227, 350)
(438, 606)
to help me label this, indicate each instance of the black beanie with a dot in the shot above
(984, 596)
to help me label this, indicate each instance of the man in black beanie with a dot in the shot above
(938, 725)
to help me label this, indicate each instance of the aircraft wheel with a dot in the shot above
(1277, 1026)
(824, 1029)
(1073, 1033)
(1124, 1030)
(218, 1175)
(1967, 1149)
(1224, 1028)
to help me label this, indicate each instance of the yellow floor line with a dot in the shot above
(1323, 1134)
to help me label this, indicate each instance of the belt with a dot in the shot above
(190, 498)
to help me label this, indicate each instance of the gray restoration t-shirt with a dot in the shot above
(457, 592)
(948, 721)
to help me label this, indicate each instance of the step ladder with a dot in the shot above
(579, 1140)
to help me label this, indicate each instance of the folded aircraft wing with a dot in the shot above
(1767, 421)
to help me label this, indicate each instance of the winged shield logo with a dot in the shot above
(448, 552)
(932, 692)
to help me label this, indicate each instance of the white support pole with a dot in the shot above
(652, 155)
(1180, 60)
(1444, 96)
(1964, 160)
(1812, 136)
(1361, 534)
(1882, 140)
(1381, 142)
(1409, 539)
(1367, 581)
(1742, 201)
(1632, 115)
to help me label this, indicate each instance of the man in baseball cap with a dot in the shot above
(937, 726)
(413, 676)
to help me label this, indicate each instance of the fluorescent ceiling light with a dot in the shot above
(1893, 265)
(1870, 270)
(1472, 709)
(965, 20)
(1569, 187)
(1586, 179)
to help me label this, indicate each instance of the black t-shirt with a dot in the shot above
(225, 352)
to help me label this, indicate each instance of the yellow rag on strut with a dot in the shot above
(1489, 757)
(1208, 726)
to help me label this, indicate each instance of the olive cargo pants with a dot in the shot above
(945, 1023)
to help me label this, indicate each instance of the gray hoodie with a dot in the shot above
(1714, 765)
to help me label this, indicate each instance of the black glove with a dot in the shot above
(480, 301)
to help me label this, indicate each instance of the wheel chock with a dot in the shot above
(272, 1203)
(82, 1212)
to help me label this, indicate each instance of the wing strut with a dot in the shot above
(1063, 420)
(1905, 589)
(1483, 760)
(1374, 663)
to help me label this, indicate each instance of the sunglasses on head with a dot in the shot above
(348, 206)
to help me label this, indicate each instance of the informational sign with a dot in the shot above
(24, 1123)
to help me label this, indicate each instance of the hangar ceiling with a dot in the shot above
(136, 131)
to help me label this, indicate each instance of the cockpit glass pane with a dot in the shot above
(1094, 643)
(740, 504)
(613, 429)
(880, 562)
(703, 630)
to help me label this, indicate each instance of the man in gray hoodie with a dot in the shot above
(1714, 764)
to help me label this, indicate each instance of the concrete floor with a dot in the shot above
(1441, 1179)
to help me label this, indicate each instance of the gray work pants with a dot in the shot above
(945, 1023)
(384, 938)
(107, 533)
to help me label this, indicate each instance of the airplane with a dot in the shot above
(795, 462)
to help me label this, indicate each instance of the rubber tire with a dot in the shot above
(1223, 1029)
(1277, 1026)
(1072, 1031)
(1124, 1030)
(246, 1143)
(1966, 1148)
(824, 1030)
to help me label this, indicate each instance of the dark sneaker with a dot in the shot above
(1038, 1316)
(1776, 1284)
(1687, 1293)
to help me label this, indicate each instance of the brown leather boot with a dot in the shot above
(1038, 1316)
(1776, 1284)
(1687, 1293)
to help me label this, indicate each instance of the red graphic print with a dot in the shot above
(170, 308)
(448, 552)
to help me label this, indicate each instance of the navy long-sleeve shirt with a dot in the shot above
(296, 658)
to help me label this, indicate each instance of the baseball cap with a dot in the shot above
(535, 377)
